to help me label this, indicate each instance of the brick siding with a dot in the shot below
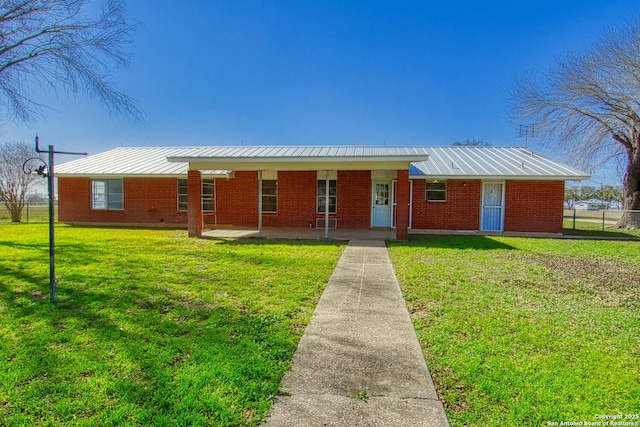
(354, 199)
(296, 200)
(237, 199)
(146, 200)
(534, 206)
(461, 211)
(531, 206)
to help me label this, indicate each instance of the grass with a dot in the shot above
(610, 215)
(589, 223)
(526, 331)
(38, 212)
(150, 327)
(583, 228)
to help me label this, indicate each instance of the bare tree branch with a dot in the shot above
(14, 183)
(589, 104)
(53, 44)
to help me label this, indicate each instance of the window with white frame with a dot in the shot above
(208, 191)
(436, 191)
(182, 195)
(207, 194)
(107, 194)
(322, 196)
(269, 195)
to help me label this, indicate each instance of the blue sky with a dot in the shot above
(326, 73)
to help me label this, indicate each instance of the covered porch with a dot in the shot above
(326, 161)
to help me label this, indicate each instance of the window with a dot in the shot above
(269, 195)
(207, 194)
(107, 194)
(322, 196)
(182, 195)
(436, 191)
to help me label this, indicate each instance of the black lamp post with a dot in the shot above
(45, 169)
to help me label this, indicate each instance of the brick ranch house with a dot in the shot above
(492, 189)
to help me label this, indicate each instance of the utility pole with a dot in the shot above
(46, 170)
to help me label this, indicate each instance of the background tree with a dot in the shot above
(14, 183)
(471, 143)
(609, 194)
(571, 196)
(587, 192)
(54, 44)
(590, 104)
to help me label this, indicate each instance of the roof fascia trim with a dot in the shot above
(148, 175)
(322, 159)
(506, 177)
(305, 166)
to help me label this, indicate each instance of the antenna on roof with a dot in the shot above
(526, 132)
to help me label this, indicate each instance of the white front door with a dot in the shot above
(492, 206)
(381, 204)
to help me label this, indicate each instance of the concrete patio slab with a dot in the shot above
(359, 362)
(299, 233)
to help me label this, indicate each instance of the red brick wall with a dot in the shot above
(194, 202)
(354, 199)
(151, 200)
(74, 199)
(237, 199)
(534, 206)
(461, 211)
(146, 200)
(402, 205)
(296, 200)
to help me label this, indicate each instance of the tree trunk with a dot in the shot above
(16, 211)
(631, 194)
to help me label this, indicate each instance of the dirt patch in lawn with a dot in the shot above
(616, 283)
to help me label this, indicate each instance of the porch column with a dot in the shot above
(326, 206)
(194, 202)
(402, 207)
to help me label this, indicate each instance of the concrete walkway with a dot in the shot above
(359, 362)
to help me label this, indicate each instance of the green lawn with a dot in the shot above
(522, 332)
(30, 213)
(150, 327)
(583, 228)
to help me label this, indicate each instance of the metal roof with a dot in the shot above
(492, 163)
(300, 154)
(443, 162)
(130, 162)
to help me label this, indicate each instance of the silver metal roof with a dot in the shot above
(442, 163)
(300, 154)
(492, 163)
(129, 162)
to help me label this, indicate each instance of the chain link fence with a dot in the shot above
(31, 213)
(597, 220)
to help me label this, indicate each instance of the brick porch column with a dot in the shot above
(402, 207)
(194, 203)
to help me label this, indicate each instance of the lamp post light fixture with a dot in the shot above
(45, 169)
